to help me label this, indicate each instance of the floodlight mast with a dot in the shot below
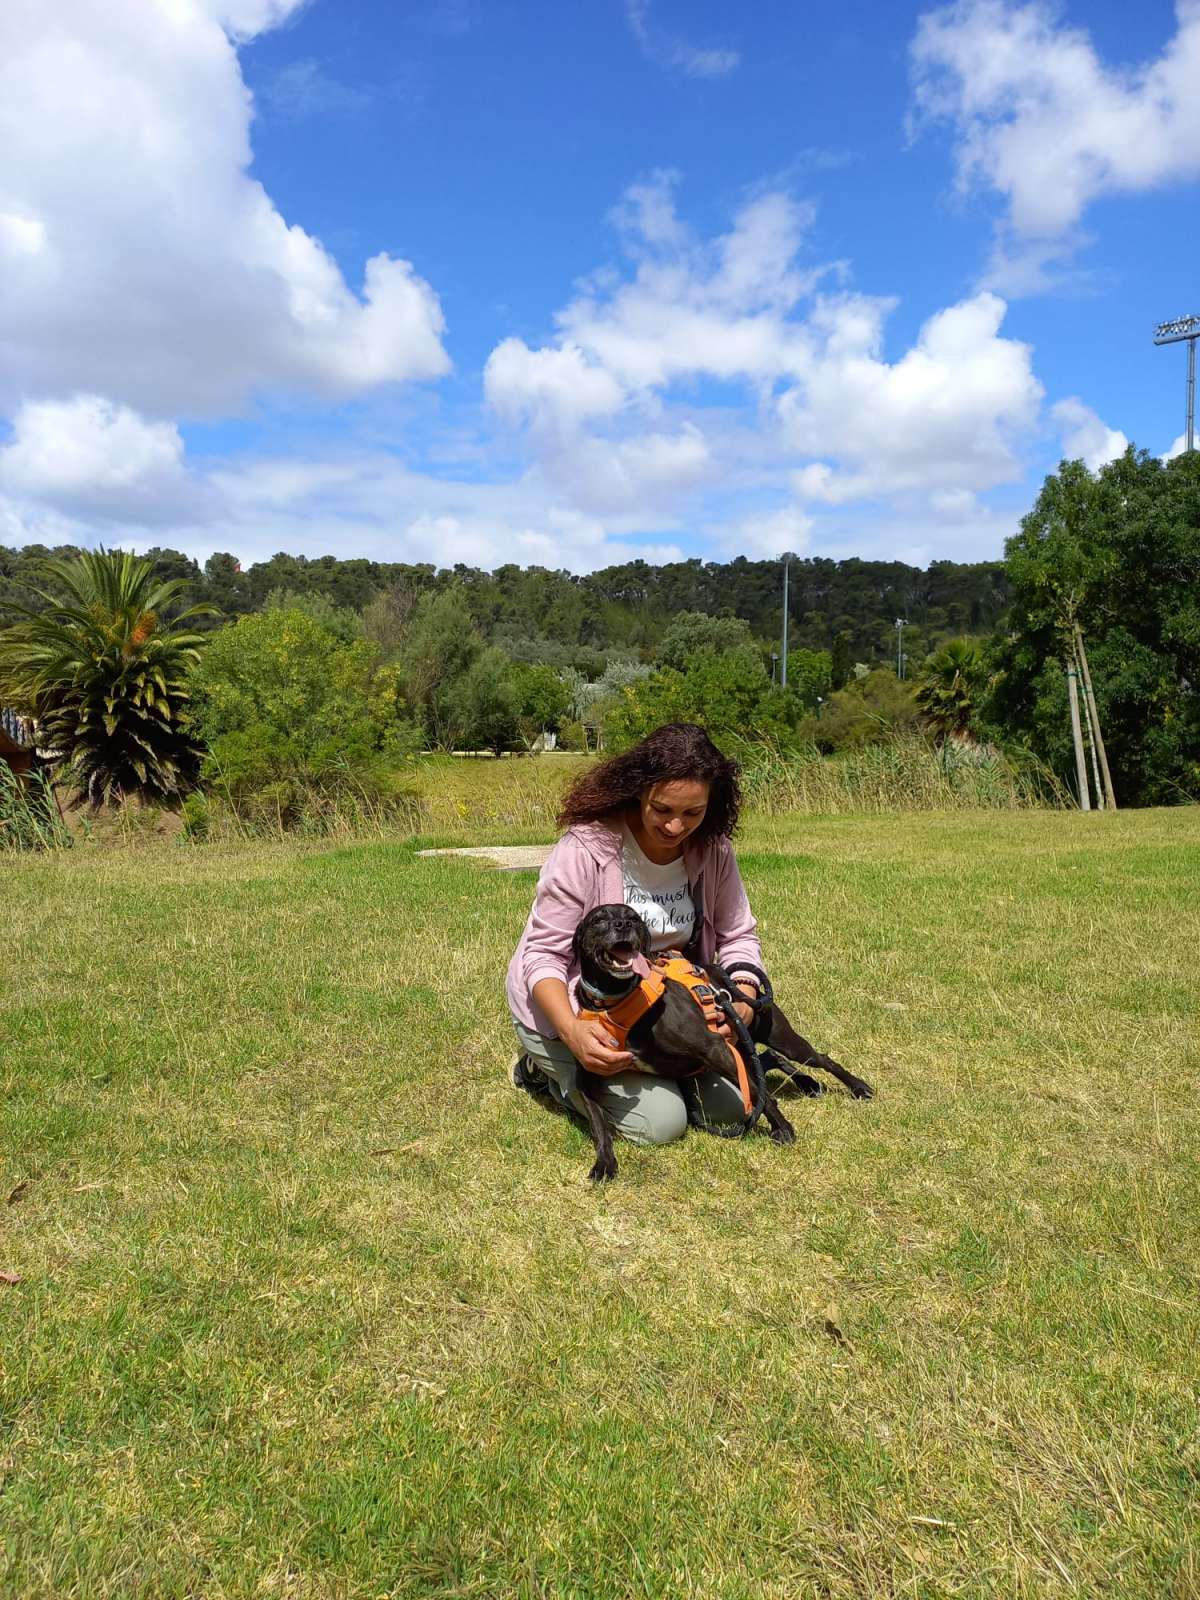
(1174, 332)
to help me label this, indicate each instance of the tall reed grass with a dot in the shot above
(29, 815)
(479, 800)
(906, 773)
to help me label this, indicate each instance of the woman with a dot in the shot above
(649, 829)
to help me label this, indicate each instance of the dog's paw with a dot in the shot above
(604, 1170)
(861, 1090)
(784, 1134)
(803, 1084)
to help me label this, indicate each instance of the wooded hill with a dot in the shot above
(846, 607)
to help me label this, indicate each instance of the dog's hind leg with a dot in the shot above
(604, 1169)
(784, 1040)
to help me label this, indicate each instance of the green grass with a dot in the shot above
(313, 1305)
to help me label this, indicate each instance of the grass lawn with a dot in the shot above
(313, 1305)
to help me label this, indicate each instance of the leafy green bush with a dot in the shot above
(290, 710)
(729, 694)
(870, 710)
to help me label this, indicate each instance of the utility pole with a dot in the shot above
(783, 657)
(1094, 714)
(901, 624)
(1173, 332)
(1085, 799)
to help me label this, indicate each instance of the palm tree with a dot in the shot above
(949, 687)
(105, 676)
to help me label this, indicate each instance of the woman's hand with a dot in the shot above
(591, 1043)
(746, 1012)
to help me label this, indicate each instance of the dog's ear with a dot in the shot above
(576, 939)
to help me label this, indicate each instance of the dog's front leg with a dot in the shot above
(605, 1167)
(782, 1131)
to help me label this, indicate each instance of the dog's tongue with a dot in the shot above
(641, 966)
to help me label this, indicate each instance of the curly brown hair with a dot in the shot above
(678, 750)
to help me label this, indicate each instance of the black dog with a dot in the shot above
(673, 1038)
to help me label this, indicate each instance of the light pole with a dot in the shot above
(901, 624)
(1180, 328)
(783, 661)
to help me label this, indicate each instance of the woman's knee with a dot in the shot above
(654, 1113)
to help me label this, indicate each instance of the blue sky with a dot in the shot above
(568, 284)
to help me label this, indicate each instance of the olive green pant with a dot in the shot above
(643, 1108)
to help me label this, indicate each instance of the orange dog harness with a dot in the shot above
(622, 1017)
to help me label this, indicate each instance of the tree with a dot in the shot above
(948, 688)
(729, 695)
(440, 648)
(387, 618)
(341, 621)
(870, 710)
(542, 698)
(694, 633)
(485, 705)
(106, 677)
(282, 700)
(1118, 553)
(225, 584)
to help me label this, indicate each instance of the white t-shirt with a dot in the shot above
(659, 894)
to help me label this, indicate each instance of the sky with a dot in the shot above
(493, 281)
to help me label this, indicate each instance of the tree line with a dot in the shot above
(562, 619)
(312, 672)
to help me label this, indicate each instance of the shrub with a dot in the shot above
(289, 709)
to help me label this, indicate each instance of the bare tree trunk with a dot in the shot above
(1095, 717)
(1089, 739)
(1085, 799)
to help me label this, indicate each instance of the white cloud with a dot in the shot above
(1177, 448)
(364, 503)
(1085, 437)
(149, 265)
(616, 408)
(637, 475)
(768, 534)
(716, 309)
(550, 388)
(1045, 123)
(946, 417)
(242, 18)
(91, 458)
(669, 50)
(304, 88)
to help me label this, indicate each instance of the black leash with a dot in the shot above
(754, 1071)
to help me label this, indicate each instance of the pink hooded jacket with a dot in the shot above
(584, 871)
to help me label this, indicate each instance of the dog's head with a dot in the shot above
(609, 939)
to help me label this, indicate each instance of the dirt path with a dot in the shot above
(508, 857)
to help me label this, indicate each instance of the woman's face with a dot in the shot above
(668, 814)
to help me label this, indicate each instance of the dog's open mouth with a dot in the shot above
(618, 959)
